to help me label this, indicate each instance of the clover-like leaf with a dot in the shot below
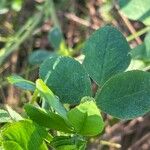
(126, 95)
(50, 98)
(22, 83)
(136, 10)
(55, 37)
(13, 114)
(66, 78)
(49, 120)
(106, 54)
(68, 143)
(142, 51)
(38, 56)
(86, 118)
(23, 135)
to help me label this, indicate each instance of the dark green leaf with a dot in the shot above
(49, 120)
(23, 135)
(55, 37)
(136, 10)
(21, 82)
(86, 118)
(126, 95)
(106, 54)
(66, 78)
(38, 56)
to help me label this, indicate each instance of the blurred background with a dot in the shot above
(31, 30)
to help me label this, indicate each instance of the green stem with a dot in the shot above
(53, 13)
(34, 97)
(13, 44)
(19, 37)
(137, 34)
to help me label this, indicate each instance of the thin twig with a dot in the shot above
(79, 20)
(138, 33)
(140, 142)
(111, 144)
(130, 27)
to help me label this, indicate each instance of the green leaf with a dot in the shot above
(66, 78)
(4, 116)
(55, 37)
(136, 10)
(126, 95)
(52, 100)
(38, 56)
(13, 114)
(21, 82)
(11, 145)
(23, 135)
(138, 52)
(3, 7)
(68, 143)
(142, 52)
(106, 11)
(49, 120)
(147, 45)
(86, 118)
(136, 65)
(17, 4)
(106, 54)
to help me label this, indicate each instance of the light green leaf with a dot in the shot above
(138, 52)
(3, 7)
(11, 145)
(21, 82)
(66, 78)
(136, 65)
(13, 114)
(55, 37)
(126, 95)
(24, 135)
(142, 52)
(136, 10)
(106, 54)
(49, 120)
(38, 56)
(52, 100)
(86, 118)
(147, 45)
(68, 143)
(4, 116)
(17, 4)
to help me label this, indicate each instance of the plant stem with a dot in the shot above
(13, 44)
(139, 33)
(111, 144)
(52, 12)
(19, 37)
(34, 97)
